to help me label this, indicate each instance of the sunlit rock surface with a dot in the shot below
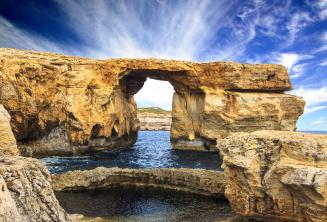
(154, 118)
(26, 193)
(277, 175)
(205, 182)
(8, 142)
(62, 105)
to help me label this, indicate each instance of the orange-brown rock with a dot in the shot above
(64, 105)
(275, 175)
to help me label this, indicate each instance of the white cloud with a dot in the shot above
(323, 47)
(321, 6)
(297, 22)
(291, 62)
(155, 93)
(314, 109)
(298, 70)
(324, 62)
(319, 121)
(315, 98)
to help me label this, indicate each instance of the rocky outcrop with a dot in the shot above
(64, 105)
(154, 118)
(205, 182)
(8, 141)
(276, 175)
(25, 192)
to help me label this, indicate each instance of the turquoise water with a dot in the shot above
(152, 150)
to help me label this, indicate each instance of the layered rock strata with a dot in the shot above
(276, 175)
(204, 182)
(26, 193)
(61, 105)
(154, 118)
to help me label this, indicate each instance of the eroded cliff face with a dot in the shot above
(275, 175)
(64, 105)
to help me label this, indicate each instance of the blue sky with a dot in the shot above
(292, 33)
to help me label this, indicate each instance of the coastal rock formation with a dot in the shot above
(8, 141)
(277, 175)
(62, 105)
(26, 193)
(154, 118)
(205, 182)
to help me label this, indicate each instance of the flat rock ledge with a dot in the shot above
(277, 176)
(199, 181)
(25, 192)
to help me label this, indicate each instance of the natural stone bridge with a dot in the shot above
(63, 105)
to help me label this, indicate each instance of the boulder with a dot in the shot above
(276, 175)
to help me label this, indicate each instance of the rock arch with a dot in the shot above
(59, 96)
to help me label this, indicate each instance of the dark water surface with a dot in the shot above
(152, 150)
(144, 204)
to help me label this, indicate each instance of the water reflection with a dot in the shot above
(152, 150)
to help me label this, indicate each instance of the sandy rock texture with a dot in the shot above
(154, 118)
(62, 105)
(199, 181)
(275, 175)
(25, 192)
(8, 142)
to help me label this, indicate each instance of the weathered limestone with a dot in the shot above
(26, 193)
(64, 105)
(154, 118)
(8, 142)
(277, 175)
(205, 182)
(8, 209)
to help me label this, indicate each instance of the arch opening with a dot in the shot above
(185, 102)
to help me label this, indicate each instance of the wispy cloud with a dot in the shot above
(297, 22)
(316, 98)
(324, 62)
(319, 121)
(292, 62)
(162, 29)
(321, 7)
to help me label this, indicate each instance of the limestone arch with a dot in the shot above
(57, 100)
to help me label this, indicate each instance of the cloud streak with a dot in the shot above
(316, 98)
